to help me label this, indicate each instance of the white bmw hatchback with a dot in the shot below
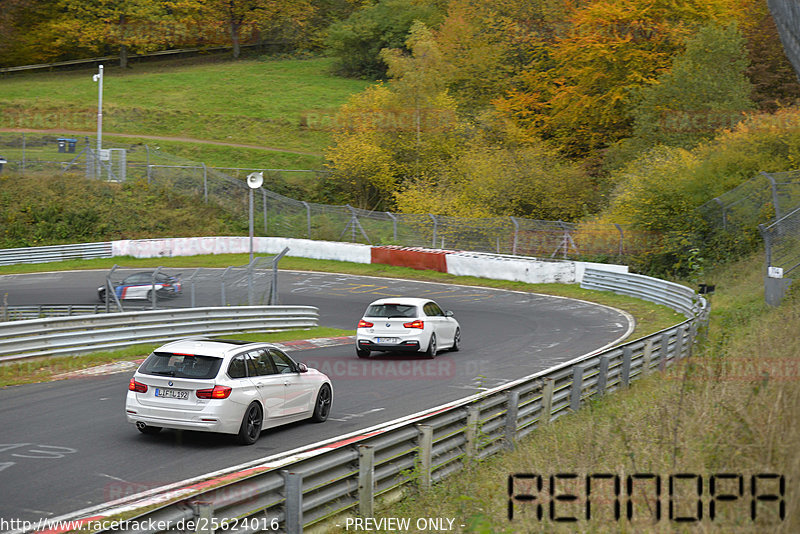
(225, 386)
(407, 324)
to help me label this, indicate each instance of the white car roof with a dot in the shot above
(411, 301)
(208, 347)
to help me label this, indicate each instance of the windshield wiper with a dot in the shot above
(164, 373)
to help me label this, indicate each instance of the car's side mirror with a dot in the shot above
(448, 313)
(302, 368)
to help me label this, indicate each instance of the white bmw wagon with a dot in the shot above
(225, 386)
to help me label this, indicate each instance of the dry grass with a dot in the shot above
(733, 408)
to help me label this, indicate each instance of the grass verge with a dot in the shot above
(733, 408)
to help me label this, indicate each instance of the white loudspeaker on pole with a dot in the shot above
(254, 181)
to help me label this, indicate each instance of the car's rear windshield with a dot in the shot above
(181, 365)
(391, 310)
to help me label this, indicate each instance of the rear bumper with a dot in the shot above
(405, 346)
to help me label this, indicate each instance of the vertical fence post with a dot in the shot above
(203, 515)
(577, 387)
(308, 218)
(366, 480)
(647, 356)
(602, 375)
(435, 228)
(471, 447)
(516, 236)
(293, 509)
(547, 401)
(205, 183)
(425, 455)
(394, 226)
(512, 409)
(679, 342)
(627, 356)
(663, 352)
(264, 199)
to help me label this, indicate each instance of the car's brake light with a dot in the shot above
(218, 392)
(138, 387)
(364, 324)
(415, 324)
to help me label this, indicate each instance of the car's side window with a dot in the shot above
(236, 369)
(436, 310)
(282, 361)
(263, 363)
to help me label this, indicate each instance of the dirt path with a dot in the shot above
(161, 138)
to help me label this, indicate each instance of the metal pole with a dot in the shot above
(99, 79)
(147, 148)
(251, 226)
(264, 198)
(516, 235)
(205, 183)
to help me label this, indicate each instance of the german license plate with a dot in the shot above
(386, 340)
(172, 393)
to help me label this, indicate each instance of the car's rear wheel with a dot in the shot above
(251, 425)
(147, 429)
(362, 353)
(431, 352)
(323, 405)
(456, 341)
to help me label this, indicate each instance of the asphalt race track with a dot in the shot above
(66, 445)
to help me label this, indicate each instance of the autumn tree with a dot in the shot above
(705, 90)
(408, 125)
(578, 96)
(357, 41)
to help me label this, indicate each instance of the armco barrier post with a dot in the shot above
(471, 447)
(627, 356)
(547, 401)
(679, 342)
(425, 455)
(602, 374)
(663, 352)
(366, 480)
(646, 356)
(577, 387)
(512, 408)
(203, 516)
(293, 509)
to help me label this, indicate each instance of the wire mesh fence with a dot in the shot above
(765, 197)
(281, 216)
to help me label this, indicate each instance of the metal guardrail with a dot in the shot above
(20, 313)
(680, 298)
(318, 484)
(74, 335)
(86, 251)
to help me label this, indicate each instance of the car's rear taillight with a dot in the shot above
(364, 324)
(415, 324)
(217, 392)
(138, 387)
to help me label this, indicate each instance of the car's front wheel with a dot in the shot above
(431, 352)
(251, 425)
(323, 405)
